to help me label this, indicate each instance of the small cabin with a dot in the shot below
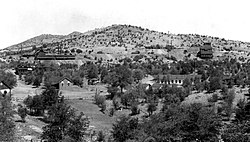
(63, 83)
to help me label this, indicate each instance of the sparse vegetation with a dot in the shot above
(160, 107)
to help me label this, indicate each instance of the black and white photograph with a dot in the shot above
(125, 71)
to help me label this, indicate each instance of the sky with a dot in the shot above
(24, 19)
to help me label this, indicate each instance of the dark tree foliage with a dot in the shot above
(37, 81)
(236, 132)
(215, 83)
(8, 78)
(104, 72)
(7, 126)
(22, 112)
(64, 123)
(194, 123)
(50, 96)
(29, 78)
(242, 111)
(92, 71)
(121, 76)
(138, 75)
(124, 129)
(151, 108)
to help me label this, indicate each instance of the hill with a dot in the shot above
(127, 39)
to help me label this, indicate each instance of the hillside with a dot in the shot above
(125, 39)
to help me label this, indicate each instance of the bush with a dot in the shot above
(134, 109)
(111, 112)
(116, 103)
(214, 98)
(37, 81)
(28, 79)
(99, 100)
(103, 106)
(151, 108)
(100, 137)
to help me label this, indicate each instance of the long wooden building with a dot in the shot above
(41, 55)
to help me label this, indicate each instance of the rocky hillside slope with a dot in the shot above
(131, 38)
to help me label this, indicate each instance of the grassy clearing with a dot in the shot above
(97, 119)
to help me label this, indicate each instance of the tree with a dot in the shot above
(78, 51)
(183, 123)
(37, 81)
(101, 137)
(128, 98)
(77, 80)
(22, 112)
(92, 71)
(7, 126)
(104, 73)
(187, 82)
(50, 96)
(37, 104)
(242, 111)
(99, 100)
(151, 108)
(112, 91)
(8, 78)
(124, 77)
(215, 83)
(134, 109)
(28, 78)
(28, 101)
(64, 123)
(124, 128)
(103, 106)
(236, 132)
(138, 75)
(77, 126)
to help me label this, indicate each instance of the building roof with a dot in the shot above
(206, 46)
(41, 55)
(177, 77)
(57, 80)
(4, 85)
(206, 49)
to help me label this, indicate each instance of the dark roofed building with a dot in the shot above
(206, 51)
(23, 68)
(41, 55)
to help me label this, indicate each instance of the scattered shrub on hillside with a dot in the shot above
(134, 109)
(99, 52)
(111, 111)
(103, 106)
(100, 137)
(72, 50)
(78, 51)
(214, 98)
(151, 108)
(116, 103)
